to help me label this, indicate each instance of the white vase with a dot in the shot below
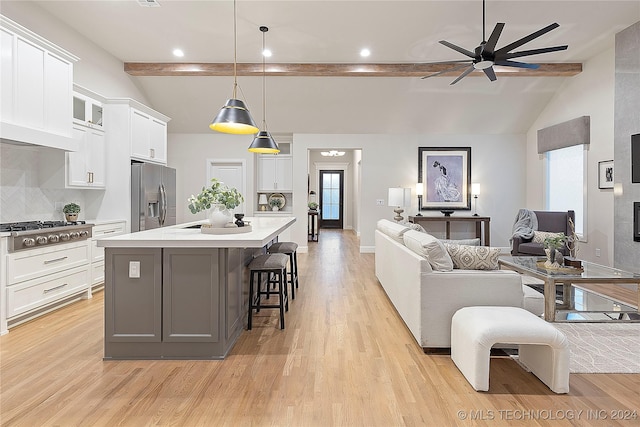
(219, 216)
(275, 209)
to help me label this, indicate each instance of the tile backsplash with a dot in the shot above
(21, 196)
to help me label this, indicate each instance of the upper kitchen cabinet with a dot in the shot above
(86, 167)
(36, 81)
(275, 172)
(148, 137)
(137, 128)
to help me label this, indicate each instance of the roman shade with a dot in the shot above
(566, 134)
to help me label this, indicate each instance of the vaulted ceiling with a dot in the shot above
(333, 32)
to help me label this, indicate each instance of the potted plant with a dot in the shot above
(313, 206)
(275, 204)
(219, 198)
(71, 211)
(551, 245)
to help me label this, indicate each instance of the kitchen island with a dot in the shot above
(178, 293)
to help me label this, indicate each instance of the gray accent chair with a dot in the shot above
(555, 222)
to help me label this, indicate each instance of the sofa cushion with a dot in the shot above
(392, 229)
(468, 242)
(531, 248)
(432, 249)
(467, 257)
(540, 236)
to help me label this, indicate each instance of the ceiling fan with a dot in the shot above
(485, 56)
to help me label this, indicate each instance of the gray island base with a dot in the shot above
(177, 293)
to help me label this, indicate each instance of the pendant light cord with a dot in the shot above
(264, 80)
(235, 51)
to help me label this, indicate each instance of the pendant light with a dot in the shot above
(234, 117)
(263, 143)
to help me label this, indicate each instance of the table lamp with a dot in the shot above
(475, 192)
(399, 197)
(262, 201)
(419, 194)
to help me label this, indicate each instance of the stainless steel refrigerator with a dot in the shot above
(153, 196)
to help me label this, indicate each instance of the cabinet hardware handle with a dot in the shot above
(91, 174)
(108, 231)
(56, 260)
(55, 288)
(152, 152)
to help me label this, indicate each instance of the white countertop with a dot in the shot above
(264, 229)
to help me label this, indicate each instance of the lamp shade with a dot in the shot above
(475, 189)
(399, 196)
(419, 189)
(262, 199)
(234, 118)
(263, 143)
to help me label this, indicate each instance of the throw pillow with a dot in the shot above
(432, 249)
(539, 236)
(466, 257)
(468, 242)
(413, 226)
(392, 229)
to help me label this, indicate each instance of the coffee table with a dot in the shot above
(590, 273)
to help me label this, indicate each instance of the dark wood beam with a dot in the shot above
(336, 70)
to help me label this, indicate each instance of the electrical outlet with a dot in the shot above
(134, 269)
(379, 202)
(597, 252)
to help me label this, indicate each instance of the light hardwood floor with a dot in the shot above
(344, 359)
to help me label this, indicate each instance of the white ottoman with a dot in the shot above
(543, 349)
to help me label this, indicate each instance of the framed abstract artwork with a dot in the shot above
(445, 173)
(605, 174)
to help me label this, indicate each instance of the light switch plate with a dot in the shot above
(134, 269)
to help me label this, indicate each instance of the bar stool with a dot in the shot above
(275, 266)
(290, 249)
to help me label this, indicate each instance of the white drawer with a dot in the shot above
(97, 273)
(30, 264)
(104, 230)
(36, 293)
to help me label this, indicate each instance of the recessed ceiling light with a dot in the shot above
(178, 52)
(365, 52)
(267, 53)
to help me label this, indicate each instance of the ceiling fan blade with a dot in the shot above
(493, 38)
(531, 52)
(458, 49)
(490, 73)
(526, 39)
(468, 61)
(458, 67)
(516, 64)
(467, 71)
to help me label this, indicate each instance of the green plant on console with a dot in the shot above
(275, 202)
(555, 242)
(313, 206)
(216, 193)
(71, 208)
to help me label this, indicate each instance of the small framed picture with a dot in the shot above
(605, 174)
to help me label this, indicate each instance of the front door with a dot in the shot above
(331, 198)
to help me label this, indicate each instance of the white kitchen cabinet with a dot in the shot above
(97, 253)
(275, 173)
(36, 84)
(86, 167)
(87, 110)
(148, 137)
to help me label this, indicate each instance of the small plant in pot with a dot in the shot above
(313, 206)
(71, 211)
(275, 204)
(552, 246)
(219, 199)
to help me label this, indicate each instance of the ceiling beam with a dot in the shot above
(336, 70)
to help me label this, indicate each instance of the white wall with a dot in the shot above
(590, 93)
(188, 154)
(392, 160)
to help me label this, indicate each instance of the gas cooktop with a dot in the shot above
(35, 225)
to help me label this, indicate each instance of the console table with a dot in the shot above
(480, 221)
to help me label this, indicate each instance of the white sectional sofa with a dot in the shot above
(427, 299)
